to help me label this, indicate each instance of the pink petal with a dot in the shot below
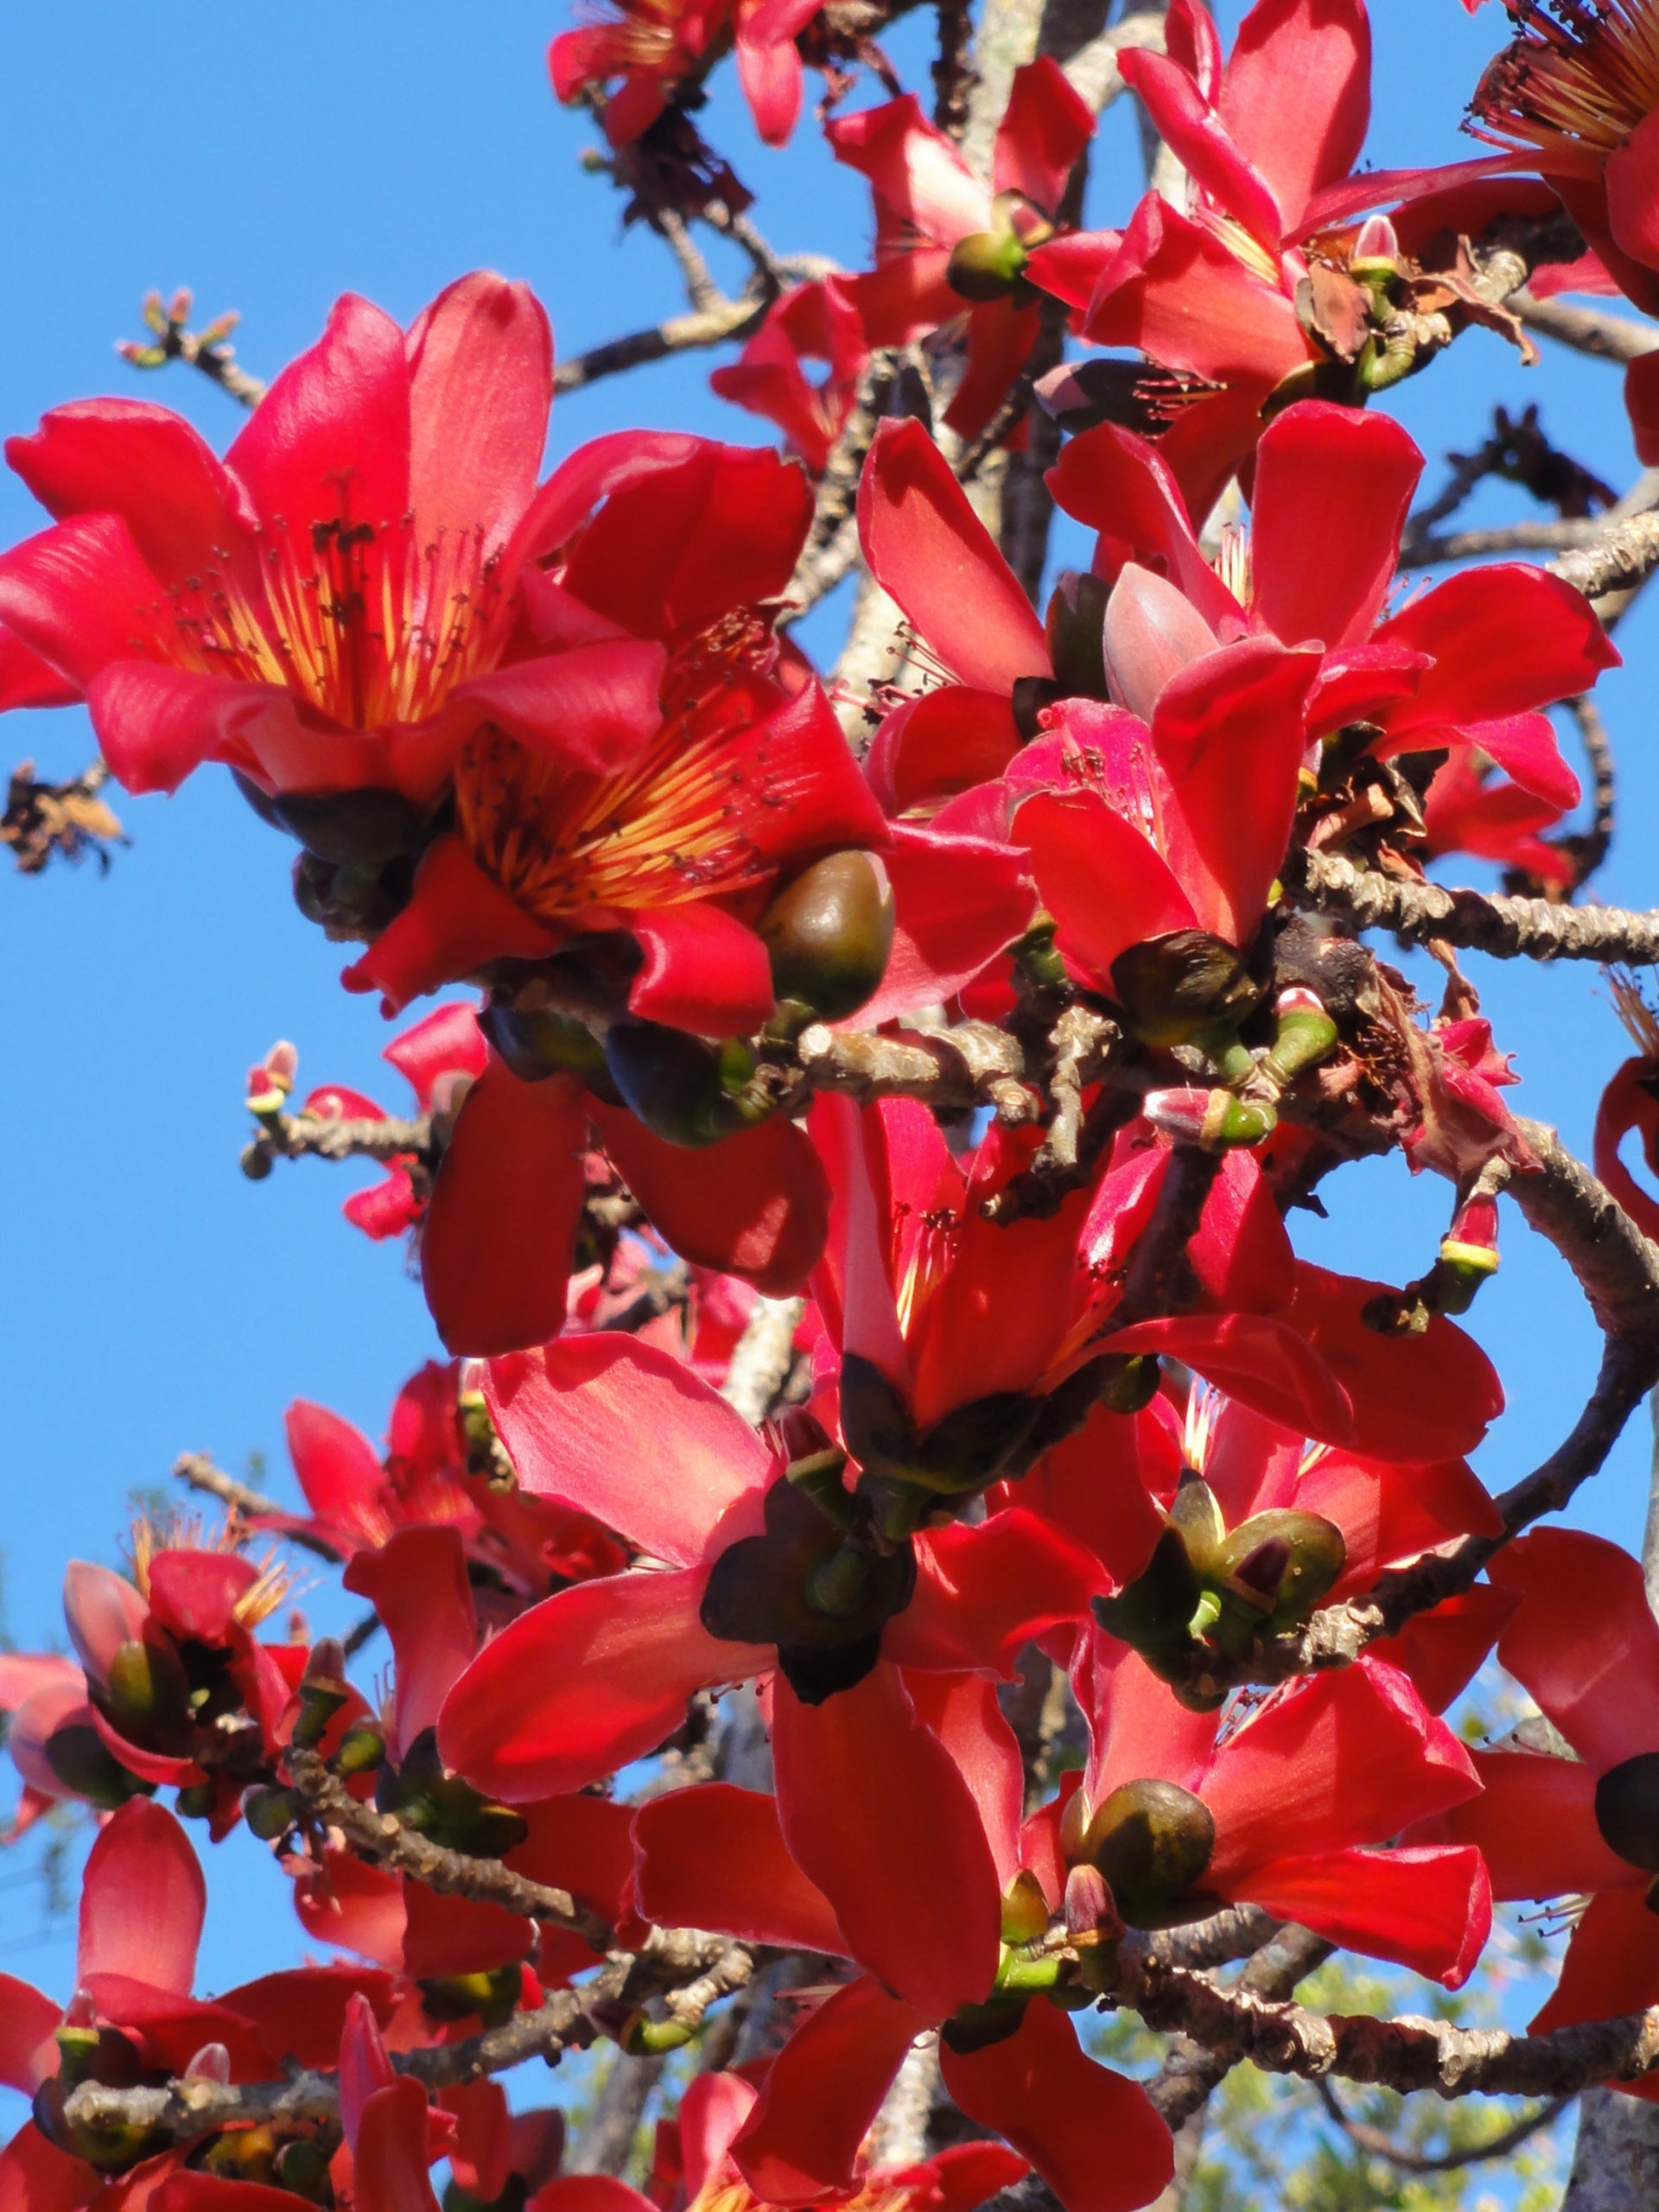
(142, 1901)
(595, 708)
(417, 1584)
(481, 384)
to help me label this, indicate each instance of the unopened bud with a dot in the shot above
(1215, 1120)
(362, 826)
(1025, 1909)
(1128, 1380)
(1075, 623)
(362, 1748)
(683, 1088)
(493, 1996)
(1304, 1034)
(1152, 1840)
(302, 2167)
(830, 933)
(321, 1700)
(270, 1812)
(1284, 1560)
(1091, 1913)
(1170, 988)
(1627, 1810)
(536, 1043)
(194, 1801)
(986, 265)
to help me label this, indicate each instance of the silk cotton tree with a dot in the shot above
(927, 1645)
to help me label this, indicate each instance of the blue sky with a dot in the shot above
(150, 1300)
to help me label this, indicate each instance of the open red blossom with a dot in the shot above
(143, 1903)
(1584, 1644)
(1468, 664)
(720, 1858)
(522, 1546)
(951, 247)
(1297, 1798)
(1209, 292)
(640, 51)
(314, 609)
(1631, 1102)
(40, 1693)
(813, 322)
(599, 1675)
(1468, 809)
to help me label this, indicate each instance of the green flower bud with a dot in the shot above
(493, 1996)
(683, 1088)
(828, 934)
(1152, 1840)
(82, 1762)
(986, 265)
(146, 1692)
(1024, 1909)
(1627, 1810)
(1128, 1382)
(1194, 1511)
(270, 1812)
(1282, 1561)
(319, 1700)
(194, 1801)
(362, 1749)
(1305, 1035)
(301, 2166)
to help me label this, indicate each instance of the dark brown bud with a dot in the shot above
(986, 265)
(830, 933)
(1152, 1840)
(683, 1088)
(365, 825)
(84, 1763)
(1172, 986)
(147, 1693)
(493, 1996)
(536, 1043)
(1627, 1810)
(1076, 624)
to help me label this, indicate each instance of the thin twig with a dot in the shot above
(1377, 2143)
(199, 1473)
(1507, 928)
(678, 333)
(1587, 330)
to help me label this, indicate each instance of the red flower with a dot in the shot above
(598, 1675)
(40, 1693)
(1467, 809)
(819, 322)
(719, 1857)
(318, 610)
(652, 46)
(1211, 293)
(1584, 1644)
(133, 2016)
(1418, 676)
(948, 245)
(1295, 1798)
(693, 2170)
(1631, 1102)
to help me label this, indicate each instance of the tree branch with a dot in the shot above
(680, 334)
(1375, 2143)
(1617, 558)
(198, 1471)
(1193, 2070)
(1507, 928)
(1587, 330)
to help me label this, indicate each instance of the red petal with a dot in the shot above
(1642, 404)
(1135, 1728)
(631, 1435)
(1257, 1358)
(1044, 130)
(389, 2152)
(588, 2193)
(585, 1682)
(1441, 1651)
(332, 436)
(481, 384)
(417, 1585)
(962, 2176)
(1093, 2136)
(1632, 175)
(1000, 340)
(1318, 466)
(184, 2190)
(450, 1934)
(28, 2022)
(1361, 684)
(158, 725)
(339, 1469)
(495, 1251)
(714, 1857)
(1611, 1965)
(800, 2144)
(446, 1041)
(129, 458)
(917, 172)
(982, 1594)
(1535, 1823)
(874, 1812)
(74, 595)
(1585, 1642)
(1107, 886)
(704, 971)
(756, 1204)
(142, 1901)
(1344, 1759)
(456, 920)
(301, 2013)
(1093, 1486)
(1203, 144)
(595, 708)
(931, 747)
(358, 1907)
(963, 1712)
(1540, 641)
(26, 680)
(581, 1844)
(771, 78)
(958, 901)
(1175, 291)
(928, 548)
(1428, 1909)
(1423, 1397)
(1296, 93)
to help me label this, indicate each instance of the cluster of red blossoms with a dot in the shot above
(1000, 1044)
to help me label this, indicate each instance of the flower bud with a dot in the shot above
(1171, 987)
(362, 1749)
(147, 1693)
(270, 1812)
(536, 1043)
(683, 1088)
(1215, 1120)
(493, 1996)
(321, 1700)
(1282, 1562)
(1627, 1810)
(1025, 1909)
(194, 1801)
(1305, 1035)
(1127, 1381)
(830, 933)
(1468, 1255)
(302, 2167)
(1091, 1913)
(363, 825)
(986, 265)
(1076, 625)
(1152, 1840)
(87, 1767)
